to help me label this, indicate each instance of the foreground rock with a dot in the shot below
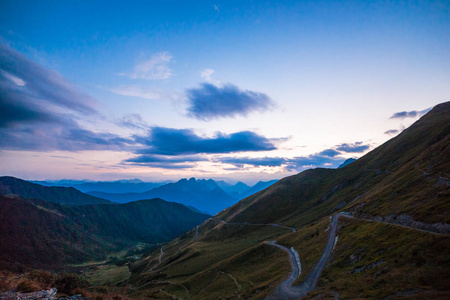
(44, 295)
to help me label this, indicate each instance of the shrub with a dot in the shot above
(66, 283)
(27, 286)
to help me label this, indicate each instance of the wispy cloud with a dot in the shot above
(290, 164)
(329, 152)
(155, 68)
(16, 80)
(62, 134)
(313, 161)
(409, 114)
(254, 161)
(169, 141)
(327, 158)
(210, 102)
(392, 131)
(206, 74)
(166, 162)
(137, 91)
(39, 110)
(25, 83)
(133, 121)
(357, 147)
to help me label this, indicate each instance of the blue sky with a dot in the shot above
(239, 90)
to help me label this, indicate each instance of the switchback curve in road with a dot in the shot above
(285, 290)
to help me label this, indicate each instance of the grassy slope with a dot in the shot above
(46, 235)
(374, 261)
(408, 174)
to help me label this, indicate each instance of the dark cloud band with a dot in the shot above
(409, 114)
(357, 147)
(39, 110)
(169, 141)
(210, 102)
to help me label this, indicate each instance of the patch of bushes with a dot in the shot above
(67, 283)
(27, 286)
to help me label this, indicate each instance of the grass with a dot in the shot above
(310, 243)
(374, 261)
(107, 275)
(228, 260)
(407, 175)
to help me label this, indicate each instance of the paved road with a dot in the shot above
(285, 290)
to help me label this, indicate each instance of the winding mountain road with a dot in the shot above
(285, 290)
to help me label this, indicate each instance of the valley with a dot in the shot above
(212, 150)
(375, 228)
(383, 184)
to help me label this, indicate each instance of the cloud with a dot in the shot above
(357, 147)
(16, 80)
(392, 131)
(290, 164)
(39, 110)
(328, 158)
(258, 161)
(133, 121)
(60, 136)
(329, 152)
(30, 84)
(314, 160)
(169, 141)
(216, 8)
(166, 162)
(155, 68)
(14, 111)
(409, 114)
(206, 74)
(211, 102)
(165, 159)
(137, 91)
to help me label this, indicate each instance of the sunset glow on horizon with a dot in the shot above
(229, 90)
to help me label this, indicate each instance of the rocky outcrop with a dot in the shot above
(408, 221)
(44, 294)
(41, 295)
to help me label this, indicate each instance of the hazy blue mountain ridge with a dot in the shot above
(64, 195)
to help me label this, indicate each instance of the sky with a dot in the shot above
(234, 90)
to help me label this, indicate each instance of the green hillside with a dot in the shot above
(40, 234)
(404, 181)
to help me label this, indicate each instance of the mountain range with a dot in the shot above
(50, 227)
(64, 195)
(376, 228)
(119, 186)
(204, 195)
